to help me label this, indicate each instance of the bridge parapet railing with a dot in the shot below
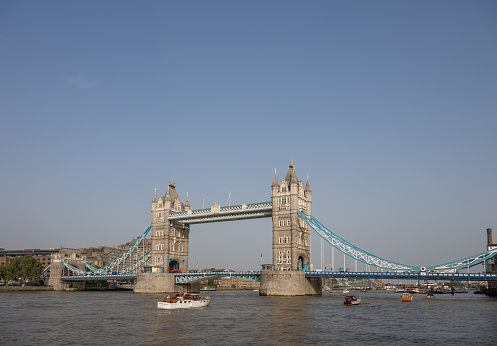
(407, 275)
(188, 277)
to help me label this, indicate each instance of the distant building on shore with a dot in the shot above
(43, 256)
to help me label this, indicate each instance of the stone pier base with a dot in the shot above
(161, 283)
(59, 285)
(288, 283)
(491, 290)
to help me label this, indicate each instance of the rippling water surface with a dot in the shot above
(242, 317)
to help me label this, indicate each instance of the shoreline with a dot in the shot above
(24, 288)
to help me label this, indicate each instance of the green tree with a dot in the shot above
(4, 273)
(25, 268)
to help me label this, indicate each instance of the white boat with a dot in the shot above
(345, 291)
(183, 301)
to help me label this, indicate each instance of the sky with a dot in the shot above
(390, 108)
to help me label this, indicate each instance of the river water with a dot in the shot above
(242, 317)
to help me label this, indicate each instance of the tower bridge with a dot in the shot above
(165, 266)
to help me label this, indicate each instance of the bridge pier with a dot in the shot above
(57, 268)
(59, 285)
(288, 283)
(161, 283)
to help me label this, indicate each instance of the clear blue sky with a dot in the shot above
(390, 107)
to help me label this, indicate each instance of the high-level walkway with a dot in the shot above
(217, 213)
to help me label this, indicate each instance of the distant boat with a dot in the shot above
(430, 295)
(205, 288)
(345, 291)
(352, 300)
(406, 297)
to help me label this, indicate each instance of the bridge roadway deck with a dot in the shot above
(255, 276)
(406, 275)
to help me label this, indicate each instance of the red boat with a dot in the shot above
(352, 300)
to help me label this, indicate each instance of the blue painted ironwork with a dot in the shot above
(98, 277)
(113, 267)
(465, 262)
(182, 278)
(352, 250)
(44, 270)
(370, 259)
(255, 276)
(73, 268)
(406, 275)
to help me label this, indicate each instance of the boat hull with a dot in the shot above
(180, 304)
(352, 300)
(185, 301)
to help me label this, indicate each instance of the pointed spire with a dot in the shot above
(275, 180)
(172, 183)
(187, 202)
(291, 176)
(155, 196)
(307, 185)
(167, 195)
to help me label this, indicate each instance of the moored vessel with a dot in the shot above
(183, 301)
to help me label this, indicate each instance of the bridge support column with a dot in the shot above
(161, 283)
(288, 283)
(56, 269)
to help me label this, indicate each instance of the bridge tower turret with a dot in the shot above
(169, 238)
(291, 235)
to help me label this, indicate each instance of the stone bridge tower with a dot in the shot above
(169, 238)
(291, 234)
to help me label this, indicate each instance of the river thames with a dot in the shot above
(242, 318)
